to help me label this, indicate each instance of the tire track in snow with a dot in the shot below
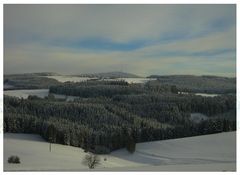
(164, 160)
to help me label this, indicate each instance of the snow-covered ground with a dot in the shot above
(207, 95)
(131, 80)
(62, 78)
(34, 154)
(37, 92)
(26, 92)
(216, 152)
(200, 94)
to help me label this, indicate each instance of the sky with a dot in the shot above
(139, 39)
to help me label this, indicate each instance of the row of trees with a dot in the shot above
(96, 89)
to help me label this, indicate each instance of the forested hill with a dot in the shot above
(201, 84)
(29, 81)
(109, 115)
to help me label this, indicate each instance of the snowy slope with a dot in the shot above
(216, 152)
(34, 154)
(215, 148)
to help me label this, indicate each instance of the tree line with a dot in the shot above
(199, 84)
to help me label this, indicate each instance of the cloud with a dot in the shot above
(120, 23)
(142, 39)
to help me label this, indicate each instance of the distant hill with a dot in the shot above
(46, 73)
(111, 75)
(203, 84)
(29, 81)
(34, 74)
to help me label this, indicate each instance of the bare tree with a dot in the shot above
(91, 160)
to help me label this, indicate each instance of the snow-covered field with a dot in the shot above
(132, 80)
(37, 92)
(26, 92)
(63, 79)
(34, 155)
(200, 94)
(216, 152)
(207, 95)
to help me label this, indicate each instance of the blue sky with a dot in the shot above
(141, 39)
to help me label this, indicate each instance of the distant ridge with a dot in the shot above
(189, 76)
(36, 74)
(111, 75)
(98, 75)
